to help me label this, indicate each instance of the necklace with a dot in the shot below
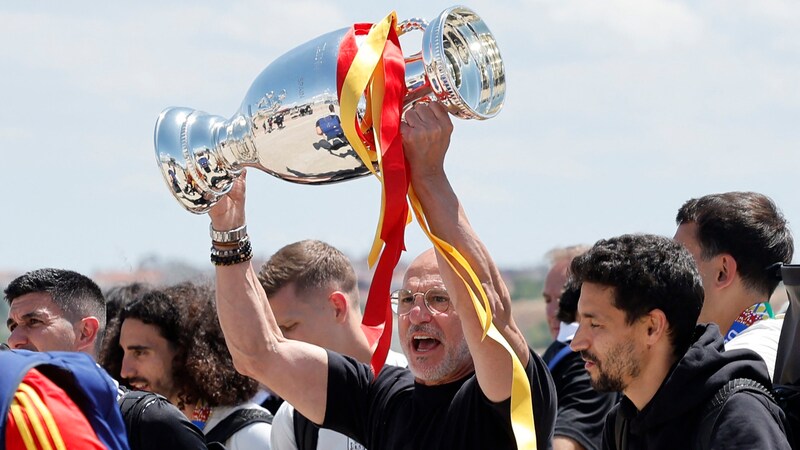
(200, 414)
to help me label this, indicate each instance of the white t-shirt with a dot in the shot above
(253, 436)
(283, 424)
(761, 337)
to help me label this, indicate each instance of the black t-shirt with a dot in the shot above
(394, 412)
(160, 425)
(581, 410)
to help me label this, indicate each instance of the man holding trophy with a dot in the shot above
(457, 391)
(472, 381)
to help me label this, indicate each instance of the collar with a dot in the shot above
(567, 332)
(749, 316)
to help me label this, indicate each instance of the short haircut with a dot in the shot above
(647, 272)
(186, 316)
(746, 225)
(309, 265)
(77, 295)
(568, 302)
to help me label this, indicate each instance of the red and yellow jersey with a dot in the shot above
(42, 416)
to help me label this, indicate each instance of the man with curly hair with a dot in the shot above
(169, 342)
(61, 310)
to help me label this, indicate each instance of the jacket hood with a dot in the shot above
(703, 370)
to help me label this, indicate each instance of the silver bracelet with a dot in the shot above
(229, 236)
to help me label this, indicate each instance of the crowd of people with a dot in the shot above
(657, 342)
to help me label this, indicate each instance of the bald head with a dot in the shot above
(425, 264)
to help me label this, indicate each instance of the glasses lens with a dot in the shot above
(438, 299)
(402, 301)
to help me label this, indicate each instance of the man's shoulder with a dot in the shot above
(246, 431)
(155, 423)
(151, 410)
(762, 337)
(753, 416)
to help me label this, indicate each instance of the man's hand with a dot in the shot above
(426, 133)
(229, 212)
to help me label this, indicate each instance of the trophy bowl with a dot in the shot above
(288, 124)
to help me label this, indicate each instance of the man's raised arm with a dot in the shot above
(426, 136)
(296, 371)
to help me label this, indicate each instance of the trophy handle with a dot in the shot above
(419, 89)
(410, 25)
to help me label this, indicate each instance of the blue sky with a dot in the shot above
(617, 112)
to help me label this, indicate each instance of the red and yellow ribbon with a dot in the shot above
(376, 70)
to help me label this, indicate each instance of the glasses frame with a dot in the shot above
(395, 300)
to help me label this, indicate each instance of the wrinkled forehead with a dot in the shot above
(35, 301)
(422, 282)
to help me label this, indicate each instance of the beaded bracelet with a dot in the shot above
(234, 256)
(231, 260)
(242, 246)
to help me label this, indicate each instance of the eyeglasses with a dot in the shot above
(436, 300)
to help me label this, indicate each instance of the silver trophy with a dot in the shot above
(288, 124)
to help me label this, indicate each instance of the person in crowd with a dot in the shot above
(581, 409)
(53, 400)
(119, 296)
(313, 292)
(456, 391)
(169, 342)
(739, 241)
(62, 310)
(554, 283)
(641, 296)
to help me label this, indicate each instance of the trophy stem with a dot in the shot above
(419, 88)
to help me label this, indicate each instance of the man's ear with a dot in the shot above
(338, 301)
(87, 334)
(726, 270)
(656, 325)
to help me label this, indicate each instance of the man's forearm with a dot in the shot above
(448, 221)
(294, 370)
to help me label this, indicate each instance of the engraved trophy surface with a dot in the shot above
(288, 123)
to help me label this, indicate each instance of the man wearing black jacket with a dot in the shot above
(640, 299)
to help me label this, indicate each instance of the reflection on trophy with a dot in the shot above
(289, 125)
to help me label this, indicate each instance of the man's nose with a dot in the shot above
(419, 312)
(18, 338)
(580, 341)
(128, 369)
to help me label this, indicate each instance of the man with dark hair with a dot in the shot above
(169, 342)
(61, 310)
(738, 240)
(53, 309)
(119, 296)
(313, 292)
(457, 390)
(581, 409)
(640, 299)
